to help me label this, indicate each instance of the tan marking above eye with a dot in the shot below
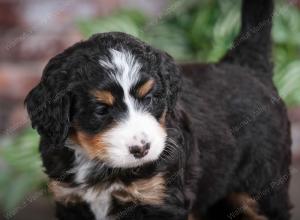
(145, 88)
(105, 97)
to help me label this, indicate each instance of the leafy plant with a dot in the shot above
(22, 168)
(286, 35)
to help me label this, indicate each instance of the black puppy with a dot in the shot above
(128, 134)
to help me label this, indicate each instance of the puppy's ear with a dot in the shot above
(48, 105)
(171, 76)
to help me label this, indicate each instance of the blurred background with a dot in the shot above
(32, 31)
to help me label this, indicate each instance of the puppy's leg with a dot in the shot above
(236, 206)
(245, 207)
(277, 205)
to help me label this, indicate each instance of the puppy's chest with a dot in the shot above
(101, 201)
(101, 198)
(98, 198)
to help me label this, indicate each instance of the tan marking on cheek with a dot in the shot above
(162, 120)
(63, 193)
(105, 97)
(93, 144)
(248, 206)
(145, 191)
(145, 88)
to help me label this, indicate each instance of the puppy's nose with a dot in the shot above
(139, 151)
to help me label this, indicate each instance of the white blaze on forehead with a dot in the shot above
(125, 67)
(139, 125)
(126, 72)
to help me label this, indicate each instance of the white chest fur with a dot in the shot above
(100, 201)
(98, 197)
(149, 191)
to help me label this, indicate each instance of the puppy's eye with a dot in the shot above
(101, 110)
(147, 99)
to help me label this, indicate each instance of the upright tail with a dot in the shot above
(253, 45)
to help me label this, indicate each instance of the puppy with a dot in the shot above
(126, 133)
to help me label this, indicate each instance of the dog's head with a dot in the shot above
(111, 95)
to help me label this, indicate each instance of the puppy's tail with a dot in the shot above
(252, 47)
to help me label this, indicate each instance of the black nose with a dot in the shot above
(139, 151)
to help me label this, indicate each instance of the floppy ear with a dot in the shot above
(171, 76)
(48, 105)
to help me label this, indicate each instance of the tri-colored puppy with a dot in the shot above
(126, 133)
